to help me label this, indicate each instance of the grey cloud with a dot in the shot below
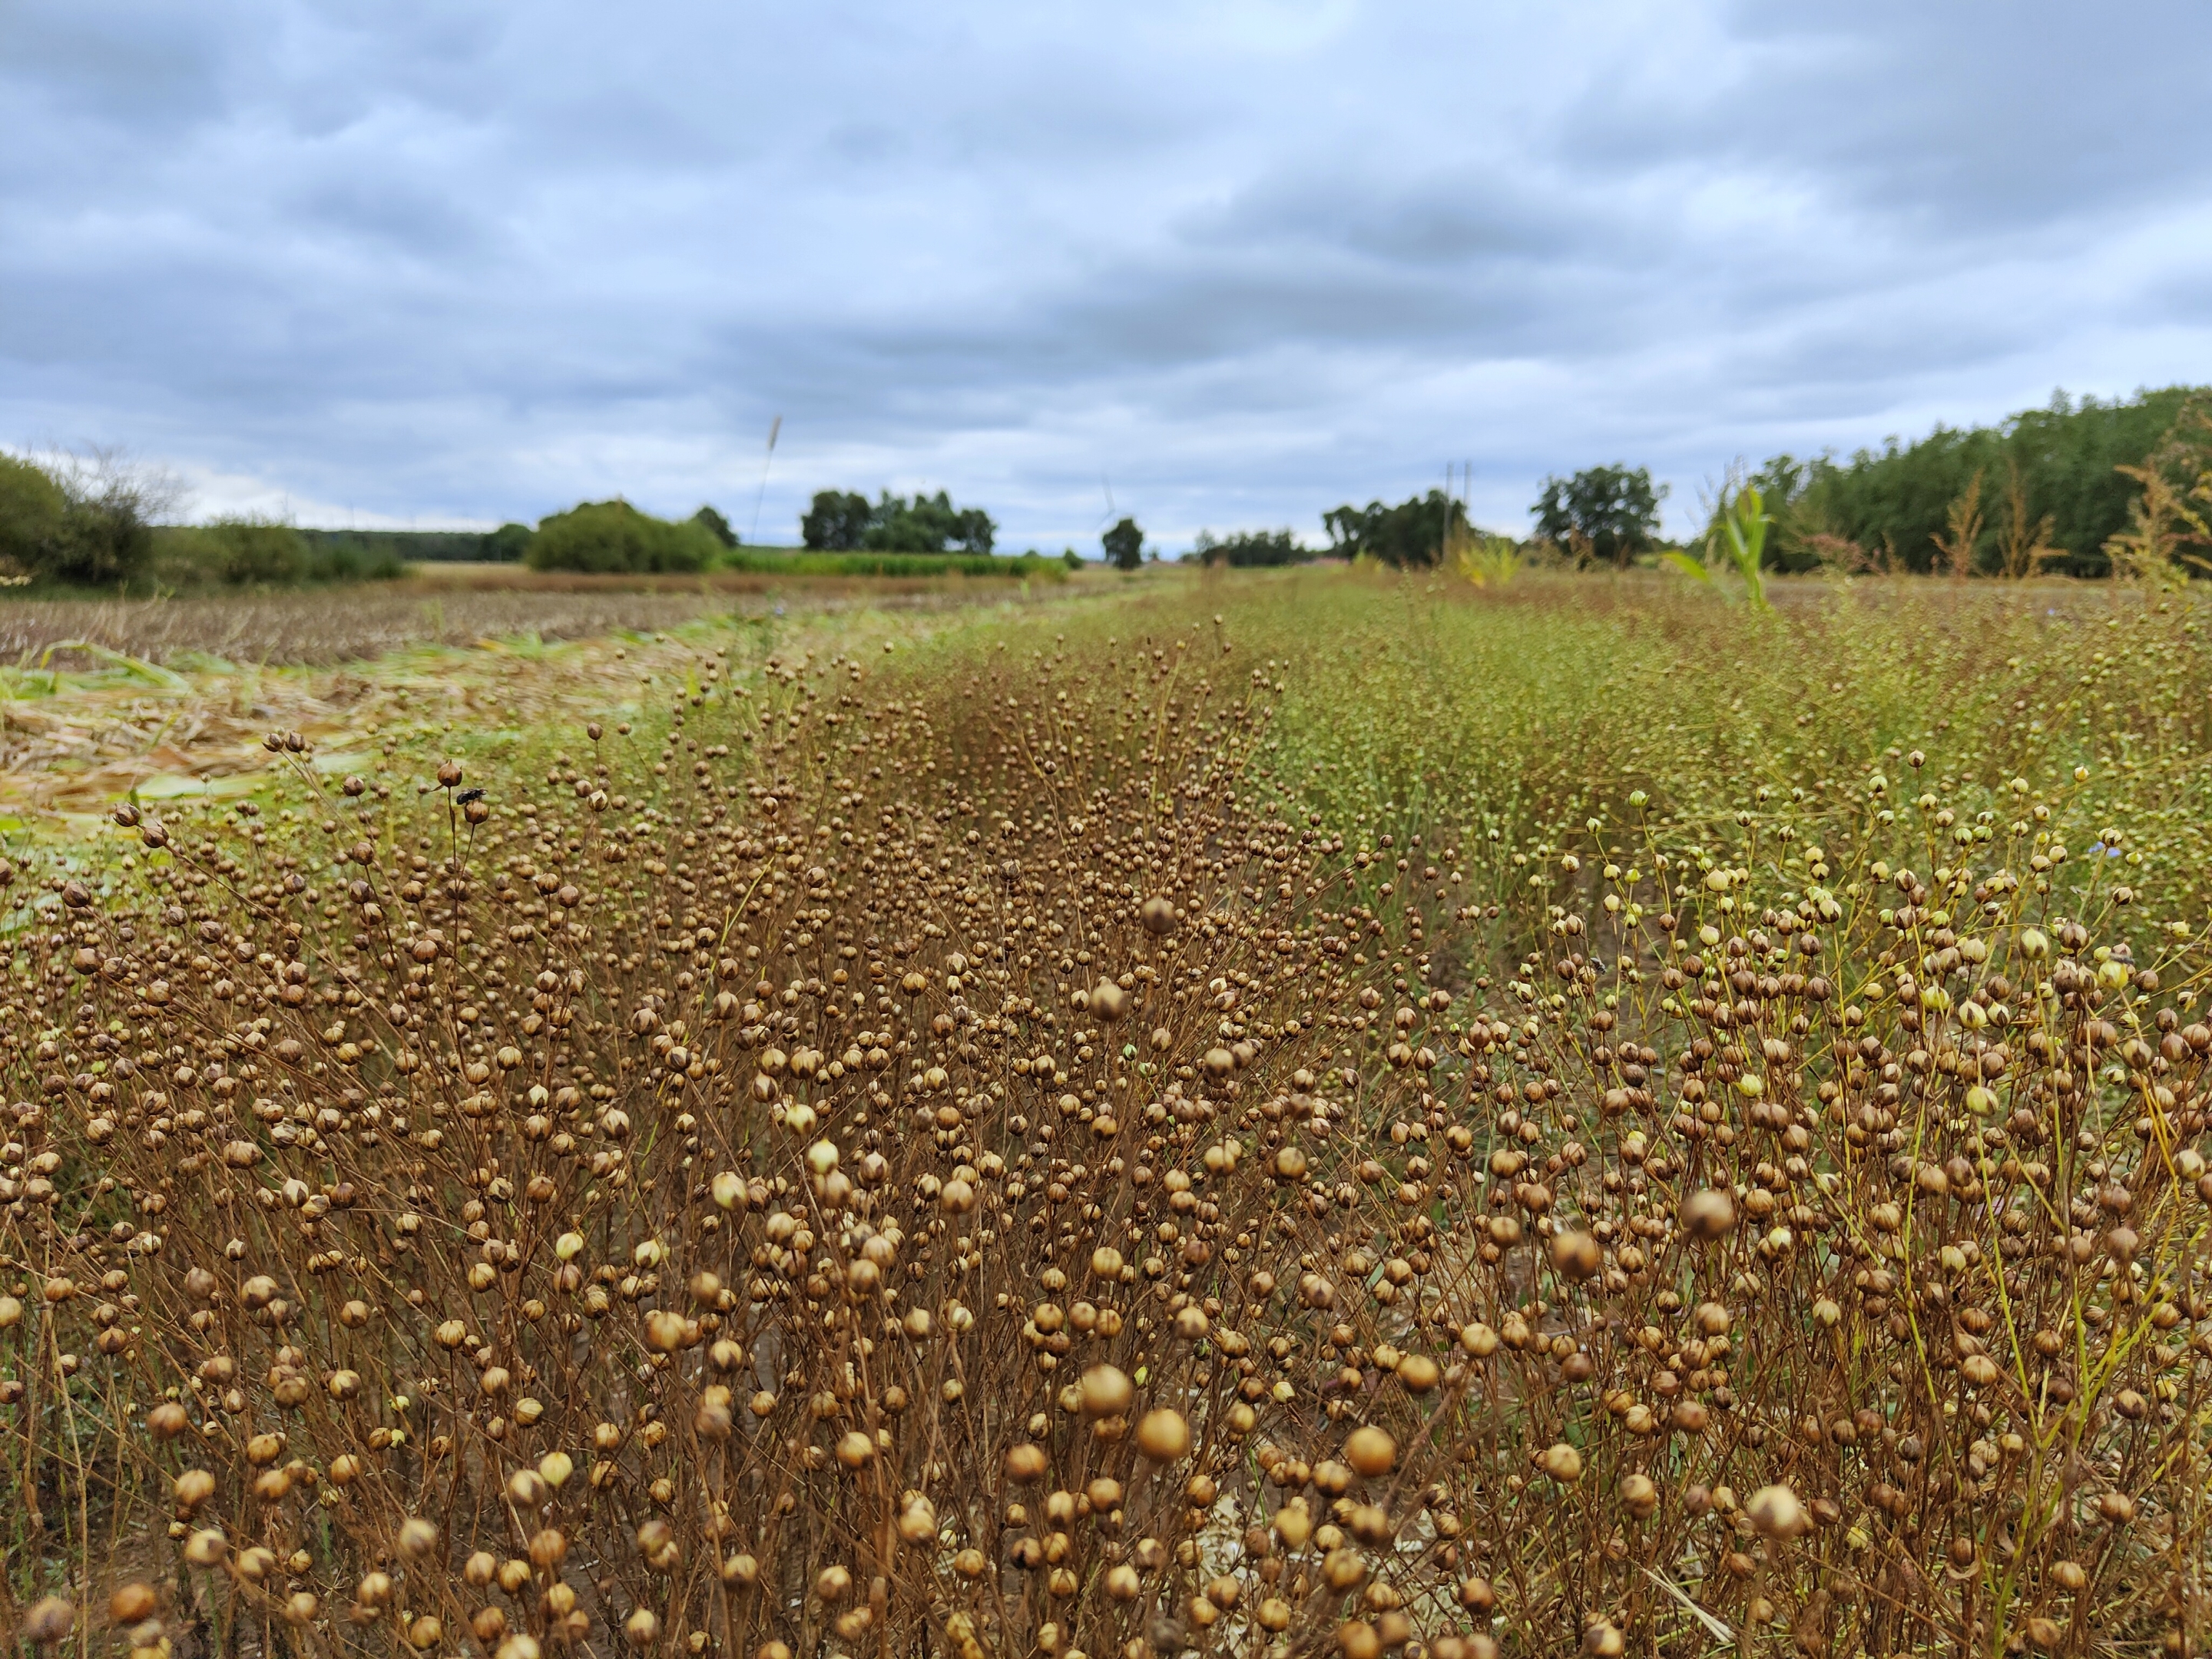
(476, 259)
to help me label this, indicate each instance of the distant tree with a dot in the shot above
(614, 536)
(835, 522)
(1071, 559)
(842, 520)
(715, 526)
(1124, 544)
(1249, 548)
(1411, 534)
(928, 524)
(2065, 479)
(1606, 513)
(507, 543)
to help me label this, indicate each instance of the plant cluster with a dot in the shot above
(1001, 1163)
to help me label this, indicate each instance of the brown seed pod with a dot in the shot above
(1106, 1392)
(1164, 1435)
(47, 1620)
(1157, 914)
(1708, 1215)
(1371, 1451)
(1576, 1254)
(1777, 1513)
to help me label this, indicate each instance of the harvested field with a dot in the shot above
(449, 604)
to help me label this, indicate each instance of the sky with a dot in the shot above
(1227, 265)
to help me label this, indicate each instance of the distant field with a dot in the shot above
(452, 602)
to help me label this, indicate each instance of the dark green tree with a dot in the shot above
(507, 543)
(1605, 513)
(1409, 535)
(835, 522)
(1245, 549)
(715, 526)
(1884, 508)
(928, 524)
(1124, 544)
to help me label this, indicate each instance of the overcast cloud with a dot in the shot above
(444, 261)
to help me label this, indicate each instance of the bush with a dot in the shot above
(614, 536)
(83, 523)
(32, 511)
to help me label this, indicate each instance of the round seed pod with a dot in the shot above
(1107, 1391)
(1164, 1435)
(1371, 1451)
(1708, 1215)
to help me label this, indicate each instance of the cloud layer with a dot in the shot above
(1233, 264)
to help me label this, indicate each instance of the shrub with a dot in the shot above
(614, 536)
(242, 551)
(32, 510)
(84, 522)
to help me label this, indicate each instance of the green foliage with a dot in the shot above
(32, 510)
(1609, 513)
(1891, 508)
(1487, 561)
(1070, 558)
(1739, 536)
(508, 543)
(83, 524)
(715, 526)
(1124, 544)
(1246, 549)
(238, 552)
(1412, 533)
(844, 520)
(836, 521)
(615, 537)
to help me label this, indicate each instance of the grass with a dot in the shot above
(1290, 1113)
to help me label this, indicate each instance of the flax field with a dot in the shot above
(1304, 1113)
